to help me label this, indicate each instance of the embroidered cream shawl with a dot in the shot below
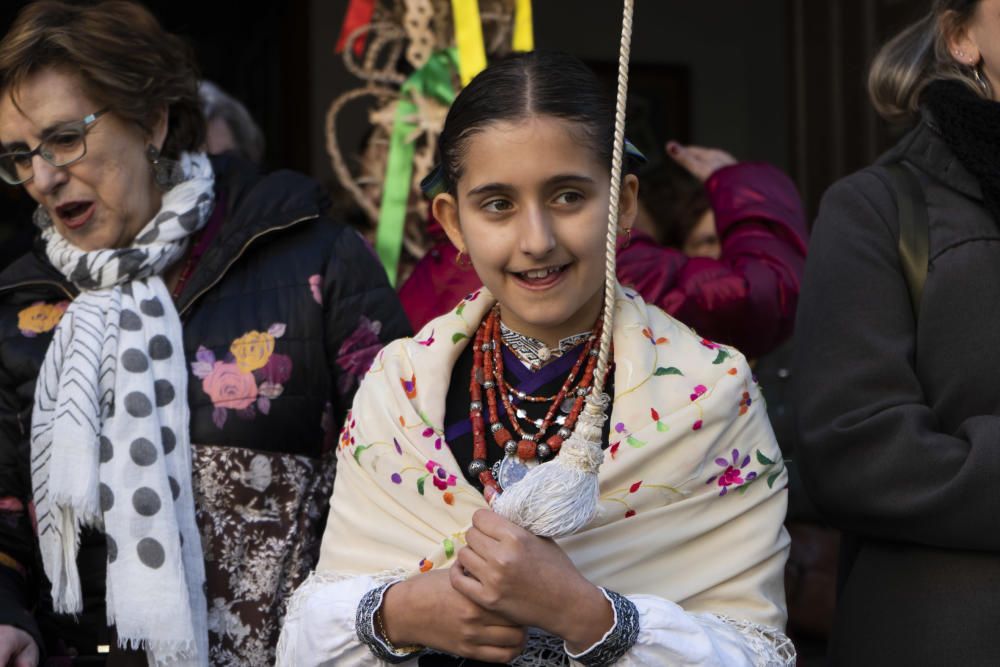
(692, 487)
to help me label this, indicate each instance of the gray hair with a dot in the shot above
(216, 103)
(918, 55)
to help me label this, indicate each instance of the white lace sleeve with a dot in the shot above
(319, 628)
(668, 635)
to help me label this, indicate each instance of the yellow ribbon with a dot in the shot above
(524, 35)
(468, 39)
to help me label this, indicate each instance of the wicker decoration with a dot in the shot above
(400, 38)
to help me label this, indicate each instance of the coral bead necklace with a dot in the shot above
(528, 449)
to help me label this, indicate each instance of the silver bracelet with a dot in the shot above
(365, 626)
(620, 638)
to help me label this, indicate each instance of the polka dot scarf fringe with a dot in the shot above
(110, 446)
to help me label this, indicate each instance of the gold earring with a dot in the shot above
(627, 233)
(462, 260)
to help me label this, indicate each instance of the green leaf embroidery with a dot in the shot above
(357, 452)
(722, 356)
(763, 460)
(667, 371)
(634, 441)
(449, 547)
(661, 427)
(771, 479)
(420, 484)
(457, 337)
(461, 307)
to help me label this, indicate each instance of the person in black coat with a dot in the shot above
(177, 356)
(898, 406)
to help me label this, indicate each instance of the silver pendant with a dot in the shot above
(513, 469)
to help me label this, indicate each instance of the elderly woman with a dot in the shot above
(175, 357)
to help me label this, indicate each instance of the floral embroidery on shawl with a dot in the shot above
(655, 469)
(732, 475)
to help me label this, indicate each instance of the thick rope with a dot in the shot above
(561, 497)
(610, 258)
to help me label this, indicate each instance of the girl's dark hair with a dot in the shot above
(122, 56)
(520, 86)
(918, 55)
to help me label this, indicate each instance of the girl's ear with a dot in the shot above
(445, 210)
(628, 202)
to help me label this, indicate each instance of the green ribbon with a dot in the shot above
(433, 80)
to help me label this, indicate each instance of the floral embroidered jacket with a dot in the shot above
(282, 315)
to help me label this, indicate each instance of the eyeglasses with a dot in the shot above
(65, 145)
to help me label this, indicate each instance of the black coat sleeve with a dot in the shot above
(873, 455)
(362, 313)
(17, 537)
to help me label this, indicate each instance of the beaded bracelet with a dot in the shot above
(619, 639)
(369, 616)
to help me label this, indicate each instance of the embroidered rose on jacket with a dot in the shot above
(316, 287)
(40, 317)
(252, 350)
(229, 386)
(357, 352)
(276, 371)
(248, 387)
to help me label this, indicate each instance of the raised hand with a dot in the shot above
(701, 162)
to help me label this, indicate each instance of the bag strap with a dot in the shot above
(914, 253)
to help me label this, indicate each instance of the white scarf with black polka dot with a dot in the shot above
(110, 446)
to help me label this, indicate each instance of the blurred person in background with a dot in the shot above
(228, 125)
(896, 357)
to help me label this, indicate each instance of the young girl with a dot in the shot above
(684, 560)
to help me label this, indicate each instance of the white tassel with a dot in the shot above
(560, 497)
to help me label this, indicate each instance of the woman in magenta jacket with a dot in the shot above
(746, 297)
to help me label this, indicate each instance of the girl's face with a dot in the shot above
(531, 210)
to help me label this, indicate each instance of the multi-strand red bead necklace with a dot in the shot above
(488, 375)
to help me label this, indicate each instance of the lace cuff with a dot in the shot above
(364, 624)
(617, 641)
(771, 647)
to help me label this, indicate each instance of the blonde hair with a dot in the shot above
(918, 55)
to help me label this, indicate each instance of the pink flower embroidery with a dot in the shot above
(230, 387)
(277, 370)
(732, 474)
(357, 352)
(315, 287)
(442, 478)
